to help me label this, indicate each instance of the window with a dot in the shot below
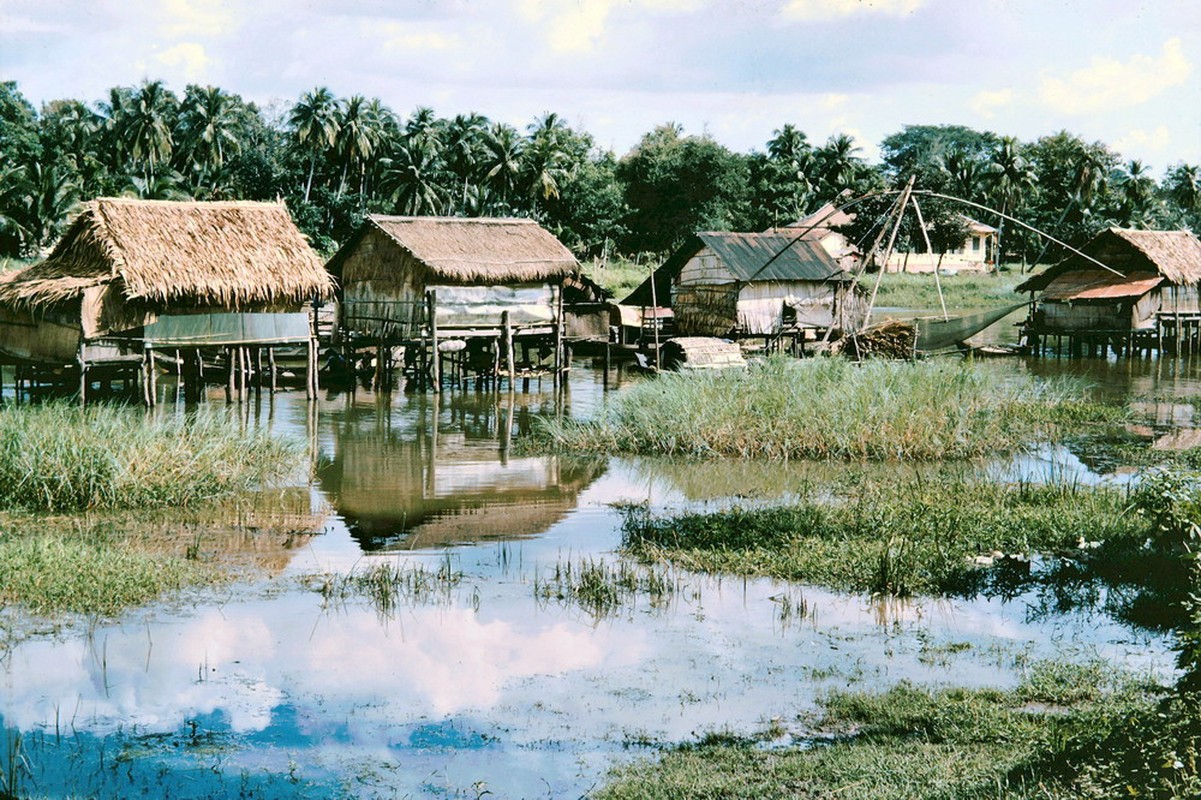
(975, 244)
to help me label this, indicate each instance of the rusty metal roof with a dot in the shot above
(1097, 284)
(773, 257)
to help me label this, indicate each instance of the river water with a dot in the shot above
(269, 689)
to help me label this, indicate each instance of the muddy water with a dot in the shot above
(272, 690)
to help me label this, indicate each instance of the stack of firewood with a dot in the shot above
(893, 339)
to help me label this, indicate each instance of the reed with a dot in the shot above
(926, 536)
(834, 409)
(60, 458)
(387, 586)
(601, 588)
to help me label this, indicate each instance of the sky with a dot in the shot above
(1123, 72)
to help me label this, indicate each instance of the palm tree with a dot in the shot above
(502, 161)
(1010, 176)
(410, 179)
(547, 163)
(1136, 191)
(790, 145)
(145, 127)
(836, 163)
(358, 136)
(1184, 186)
(49, 194)
(315, 126)
(211, 124)
(962, 173)
(463, 150)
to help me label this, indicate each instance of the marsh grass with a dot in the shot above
(389, 586)
(961, 292)
(59, 457)
(1086, 733)
(835, 409)
(89, 570)
(617, 275)
(920, 536)
(601, 588)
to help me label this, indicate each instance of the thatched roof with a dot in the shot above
(467, 250)
(222, 254)
(1175, 255)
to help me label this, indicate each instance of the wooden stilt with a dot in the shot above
(436, 367)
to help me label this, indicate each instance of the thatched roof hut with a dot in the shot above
(477, 266)
(124, 263)
(1145, 275)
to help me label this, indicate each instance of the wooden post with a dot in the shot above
(510, 362)
(271, 366)
(558, 359)
(436, 366)
(83, 375)
(152, 378)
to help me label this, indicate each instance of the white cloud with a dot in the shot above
(196, 18)
(580, 26)
(825, 10)
(834, 101)
(986, 103)
(405, 37)
(188, 59)
(1113, 85)
(1141, 140)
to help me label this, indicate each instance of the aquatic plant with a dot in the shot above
(1097, 733)
(388, 585)
(834, 409)
(924, 536)
(601, 587)
(56, 571)
(60, 457)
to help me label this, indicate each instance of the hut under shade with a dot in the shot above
(131, 277)
(1130, 289)
(489, 288)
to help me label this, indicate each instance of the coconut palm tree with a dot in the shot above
(502, 163)
(315, 126)
(49, 192)
(1183, 185)
(145, 127)
(836, 163)
(211, 123)
(1010, 175)
(359, 130)
(1136, 193)
(410, 178)
(546, 161)
(463, 151)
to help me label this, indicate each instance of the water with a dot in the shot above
(269, 690)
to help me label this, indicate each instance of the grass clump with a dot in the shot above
(927, 536)
(961, 292)
(1104, 737)
(617, 275)
(600, 588)
(53, 572)
(389, 586)
(834, 409)
(61, 458)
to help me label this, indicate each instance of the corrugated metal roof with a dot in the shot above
(1097, 284)
(1176, 255)
(773, 257)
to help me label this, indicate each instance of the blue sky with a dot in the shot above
(1124, 72)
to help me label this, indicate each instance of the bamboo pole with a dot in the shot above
(510, 362)
(83, 375)
(436, 366)
(558, 359)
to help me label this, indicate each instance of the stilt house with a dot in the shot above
(487, 293)
(133, 276)
(1131, 282)
(752, 284)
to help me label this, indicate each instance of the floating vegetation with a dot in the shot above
(388, 586)
(1085, 732)
(600, 587)
(60, 458)
(833, 409)
(925, 536)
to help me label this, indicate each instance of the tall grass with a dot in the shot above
(960, 292)
(56, 572)
(834, 409)
(617, 275)
(61, 458)
(902, 538)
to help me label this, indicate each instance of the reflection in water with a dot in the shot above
(431, 472)
(269, 693)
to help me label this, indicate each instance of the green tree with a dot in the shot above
(315, 127)
(211, 129)
(1010, 177)
(502, 167)
(677, 185)
(144, 127)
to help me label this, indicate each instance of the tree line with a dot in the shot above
(336, 159)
